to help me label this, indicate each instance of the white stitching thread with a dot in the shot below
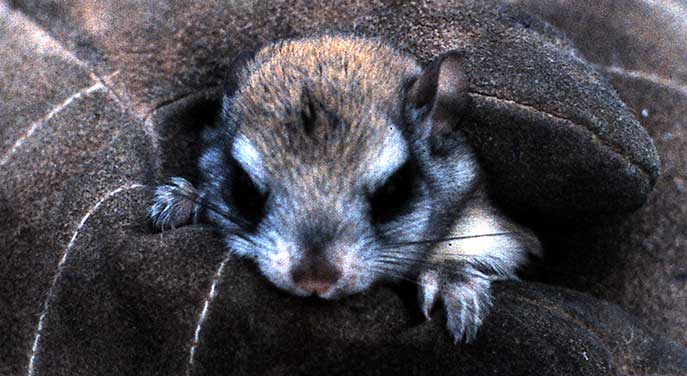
(675, 85)
(40, 122)
(203, 315)
(60, 267)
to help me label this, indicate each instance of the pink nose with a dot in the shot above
(316, 276)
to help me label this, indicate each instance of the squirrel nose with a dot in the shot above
(315, 275)
(315, 286)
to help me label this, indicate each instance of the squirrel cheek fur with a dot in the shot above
(337, 165)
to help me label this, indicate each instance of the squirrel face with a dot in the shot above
(331, 152)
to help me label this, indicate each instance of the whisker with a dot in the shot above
(468, 271)
(395, 262)
(394, 273)
(405, 260)
(240, 222)
(446, 256)
(242, 237)
(434, 241)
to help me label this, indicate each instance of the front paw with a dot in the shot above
(174, 204)
(465, 296)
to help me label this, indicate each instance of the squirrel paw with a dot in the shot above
(466, 299)
(173, 204)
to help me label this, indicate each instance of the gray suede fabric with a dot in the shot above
(637, 260)
(59, 133)
(101, 101)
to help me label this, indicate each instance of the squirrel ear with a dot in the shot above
(440, 93)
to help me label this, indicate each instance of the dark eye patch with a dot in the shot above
(394, 197)
(244, 196)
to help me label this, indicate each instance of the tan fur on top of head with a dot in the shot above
(354, 86)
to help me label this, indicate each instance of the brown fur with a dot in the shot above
(355, 87)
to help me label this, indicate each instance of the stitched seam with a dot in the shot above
(595, 138)
(209, 299)
(43, 120)
(678, 86)
(60, 268)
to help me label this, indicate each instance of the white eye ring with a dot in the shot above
(392, 154)
(247, 155)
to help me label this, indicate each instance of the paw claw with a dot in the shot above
(429, 290)
(455, 326)
(466, 302)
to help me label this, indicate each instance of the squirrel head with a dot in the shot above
(333, 152)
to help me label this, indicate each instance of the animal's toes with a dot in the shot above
(428, 292)
(466, 307)
(173, 204)
(455, 320)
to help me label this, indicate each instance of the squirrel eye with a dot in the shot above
(393, 197)
(244, 196)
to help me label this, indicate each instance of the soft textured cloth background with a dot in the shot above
(101, 100)
(637, 260)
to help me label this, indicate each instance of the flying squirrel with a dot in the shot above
(338, 163)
